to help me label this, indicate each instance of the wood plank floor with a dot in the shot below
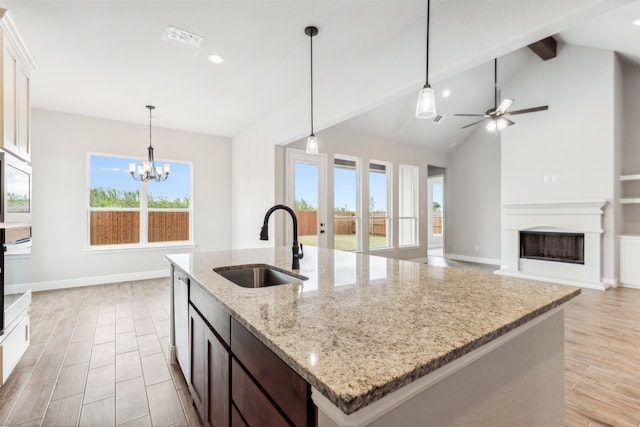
(98, 357)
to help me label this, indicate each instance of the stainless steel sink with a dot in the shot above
(258, 275)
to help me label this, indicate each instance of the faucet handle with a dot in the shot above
(301, 253)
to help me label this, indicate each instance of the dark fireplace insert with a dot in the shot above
(552, 246)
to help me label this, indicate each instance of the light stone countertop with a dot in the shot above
(363, 326)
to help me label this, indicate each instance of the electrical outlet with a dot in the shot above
(554, 178)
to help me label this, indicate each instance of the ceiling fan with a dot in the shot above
(498, 116)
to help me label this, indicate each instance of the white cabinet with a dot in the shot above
(630, 260)
(17, 65)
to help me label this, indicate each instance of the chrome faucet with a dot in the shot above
(296, 249)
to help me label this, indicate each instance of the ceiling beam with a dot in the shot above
(545, 48)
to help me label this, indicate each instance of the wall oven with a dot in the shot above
(15, 295)
(15, 189)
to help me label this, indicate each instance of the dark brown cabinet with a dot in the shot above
(234, 379)
(209, 379)
(265, 387)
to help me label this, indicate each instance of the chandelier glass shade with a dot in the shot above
(147, 170)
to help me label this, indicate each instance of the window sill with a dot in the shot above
(136, 248)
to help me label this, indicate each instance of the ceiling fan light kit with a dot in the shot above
(498, 116)
(426, 106)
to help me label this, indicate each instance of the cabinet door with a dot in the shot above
(9, 100)
(24, 115)
(197, 377)
(217, 402)
(209, 379)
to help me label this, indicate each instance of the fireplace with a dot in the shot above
(552, 246)
(557, 242)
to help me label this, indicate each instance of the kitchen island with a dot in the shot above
(387, 342)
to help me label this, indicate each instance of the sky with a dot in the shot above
(306, 186)
(113, 172)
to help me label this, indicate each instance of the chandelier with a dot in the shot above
(148, 171)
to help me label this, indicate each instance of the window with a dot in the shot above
(379, 198)
(127, 212)
(408, 206)
(346, 217)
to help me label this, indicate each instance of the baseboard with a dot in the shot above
(626, 285)
(479, 260)
(95, 280)
(600, 286)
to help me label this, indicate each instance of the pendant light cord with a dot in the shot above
(428, 31)
(150, 109)
(495, 83)
(311, 40)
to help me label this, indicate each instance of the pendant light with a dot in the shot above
(426, 107)
(148, 171)
(312, 141)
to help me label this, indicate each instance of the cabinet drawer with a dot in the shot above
(254, 406)
(212, 311)
(287, 389)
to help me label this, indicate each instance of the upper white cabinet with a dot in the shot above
(17, 66)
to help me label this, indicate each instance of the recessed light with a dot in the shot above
(637, 22)
(446, 93)
(216, 59)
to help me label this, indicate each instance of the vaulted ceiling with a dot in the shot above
(107, 59)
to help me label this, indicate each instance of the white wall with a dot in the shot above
(573, 140)
(334, 141)
(61, 143)
(472, 207)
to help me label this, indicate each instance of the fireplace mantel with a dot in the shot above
(582, 216)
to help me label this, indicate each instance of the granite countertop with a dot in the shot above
(363, 326)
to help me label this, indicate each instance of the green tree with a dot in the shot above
(436, 207)
(302, 205)
(372, 204)
(111, 198)
(164, 203)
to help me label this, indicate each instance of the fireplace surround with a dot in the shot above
(577, 225)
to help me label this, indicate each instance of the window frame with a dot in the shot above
(143, 210)
(358, 207)
(389, 207)
(415, 190)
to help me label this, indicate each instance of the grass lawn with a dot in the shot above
(344, 242)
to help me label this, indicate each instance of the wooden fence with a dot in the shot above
(123, 227)
(308, 223)
(437, 223)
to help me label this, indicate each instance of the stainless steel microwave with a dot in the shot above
(15, 189)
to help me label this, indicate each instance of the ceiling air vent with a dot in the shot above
(182, 36)
(438, 118)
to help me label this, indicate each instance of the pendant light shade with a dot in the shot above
(312, 145)
(426, 107)
(312, 141)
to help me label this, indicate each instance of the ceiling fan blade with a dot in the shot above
(528, 110)
(509, 122)
(474, 123)
(504, 106)
(470, 115)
